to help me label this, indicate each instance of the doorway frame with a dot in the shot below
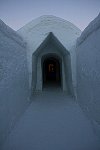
(51, 45)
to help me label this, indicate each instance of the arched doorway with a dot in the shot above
(51, 72)
(51, 66)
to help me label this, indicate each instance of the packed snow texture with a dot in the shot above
(10, 33)
(36, 31)
(92, 27)
(57, 123)
(53, 121)
(13, 79)
(88, 72)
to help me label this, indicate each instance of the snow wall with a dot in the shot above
(13, 79)
(36, 31)
(88, 72)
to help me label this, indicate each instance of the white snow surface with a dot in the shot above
(53, 121)
(93, 26)
(10, 33)
(13, 79)
(37, 30)
(88, 72)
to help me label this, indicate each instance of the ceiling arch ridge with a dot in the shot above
(51, 39)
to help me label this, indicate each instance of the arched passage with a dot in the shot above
(53, 56)
(51, 72)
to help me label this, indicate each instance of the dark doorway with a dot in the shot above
(51, 72)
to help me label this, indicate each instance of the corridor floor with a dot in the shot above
(53, 121)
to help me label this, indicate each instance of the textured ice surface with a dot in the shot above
(93, 26)
(88, 72)
(52, 121)
(37, 30)
(13, 79)
(10, 33)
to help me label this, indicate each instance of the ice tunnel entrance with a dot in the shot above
(51, 72)
(52, 67)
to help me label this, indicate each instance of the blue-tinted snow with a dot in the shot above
(13, 79)
(52, 121)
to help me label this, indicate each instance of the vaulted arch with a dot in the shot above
(51, 66)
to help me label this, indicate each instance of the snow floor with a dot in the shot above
(53, 121)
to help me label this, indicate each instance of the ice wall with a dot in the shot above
(13, 79)
(36, 31)
(88, 72)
